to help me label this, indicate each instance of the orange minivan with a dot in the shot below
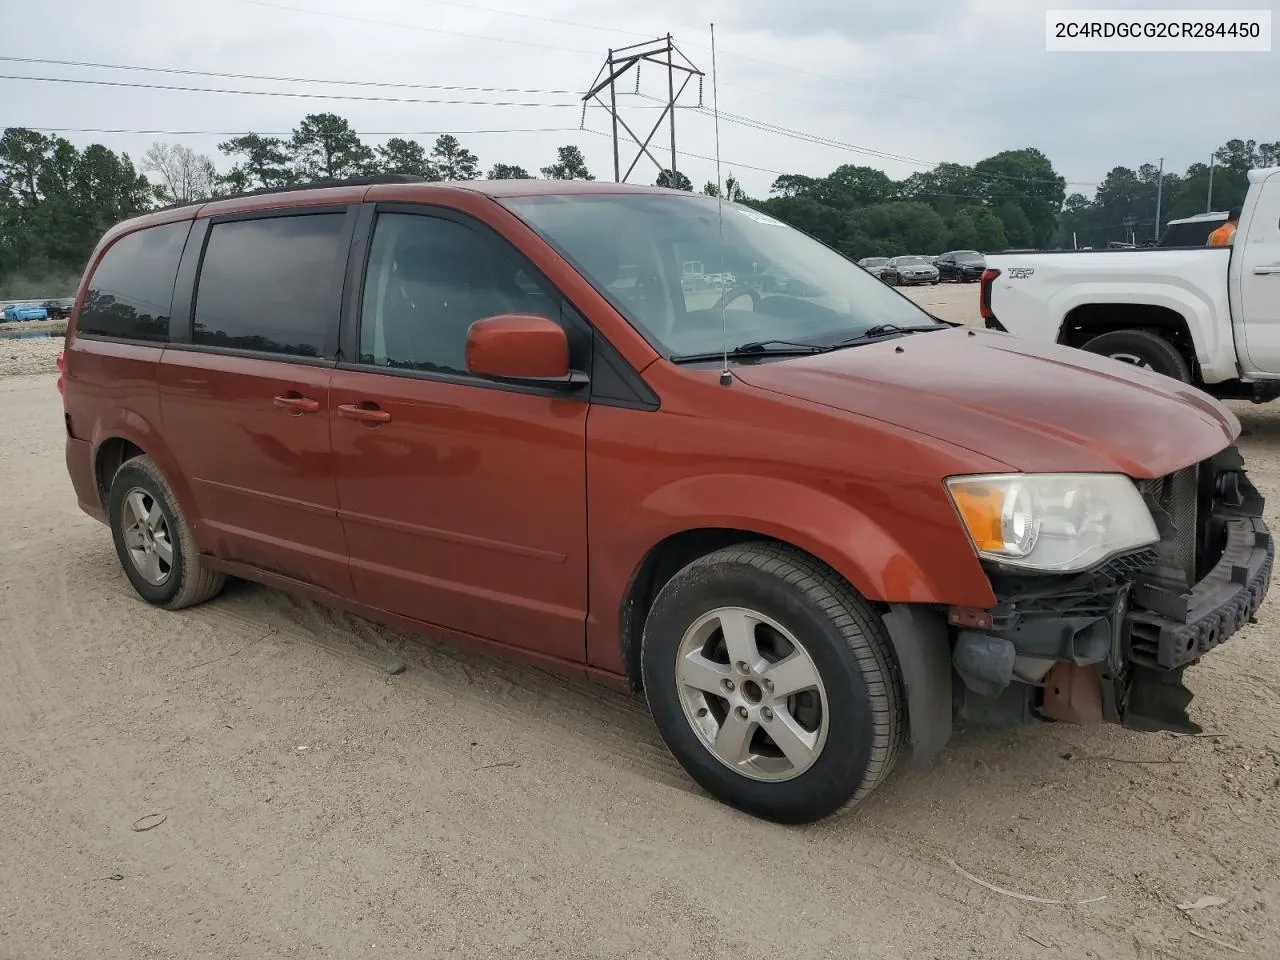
(667, 443)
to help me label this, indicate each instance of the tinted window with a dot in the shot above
(131, 293)
(428, 280)
(270, 284)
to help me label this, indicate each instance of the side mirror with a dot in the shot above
(522, 347)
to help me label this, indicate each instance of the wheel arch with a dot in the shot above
(917, 633)
(660, 563)
(132, 436)
(1086, 321)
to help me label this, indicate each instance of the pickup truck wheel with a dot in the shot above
(154, 542)
(1142, 349)
(773, 683)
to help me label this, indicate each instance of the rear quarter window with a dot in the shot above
(130, 295)
(269, 284)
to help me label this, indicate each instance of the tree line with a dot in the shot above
(56, 200)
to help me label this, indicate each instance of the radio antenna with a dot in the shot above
(725, 377)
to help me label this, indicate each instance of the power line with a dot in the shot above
(699, 156)
(766, 127)
(254, 76)
(287, 133)
(289, 93)
(584, 26)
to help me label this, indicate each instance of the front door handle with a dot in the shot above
(365, 414)
(296, 403)
(1268, 269)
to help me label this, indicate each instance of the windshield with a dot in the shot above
(660, 260)
(969, 256)
(873, 262)
(912, 262)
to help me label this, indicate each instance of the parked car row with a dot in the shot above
(960, 266)
(38, 311)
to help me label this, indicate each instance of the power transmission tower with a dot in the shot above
(662, 52)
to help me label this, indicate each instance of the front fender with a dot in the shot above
(862, 549)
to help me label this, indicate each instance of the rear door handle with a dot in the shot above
(369, 414)
(295, 403)
(1269, 269)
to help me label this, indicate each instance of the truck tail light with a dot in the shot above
(62, 369)
(984, 300)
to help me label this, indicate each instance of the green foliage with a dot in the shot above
(1017, 228)
(57, 201)
(452, 161)
(849, 187)
(976, 228)
(903, 226)
(570, 165)
(265, 163)
(398, 155)
(679, 182)
(508, 171)
(325, 147)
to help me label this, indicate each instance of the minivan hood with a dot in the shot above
(1035, 407)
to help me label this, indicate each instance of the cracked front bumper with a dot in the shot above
(1112, 643)
(1218, 606)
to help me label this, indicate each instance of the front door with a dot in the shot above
(463, 501)
(1256, 255)
(245, 403)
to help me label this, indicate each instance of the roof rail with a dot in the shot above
(367, 181)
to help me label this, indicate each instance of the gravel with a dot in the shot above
(26, 357)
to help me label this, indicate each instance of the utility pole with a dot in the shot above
(666, 55)
(1159, 197)
(1208, 205)
(671, 105)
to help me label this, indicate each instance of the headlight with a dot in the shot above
(1054, 522)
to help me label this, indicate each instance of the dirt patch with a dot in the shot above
(20, 358)
(314, 804)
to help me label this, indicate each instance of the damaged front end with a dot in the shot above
(1111, 644)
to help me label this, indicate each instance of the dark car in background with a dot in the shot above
(962, 266)
(873, 265)
(902, 271)
(59, 309)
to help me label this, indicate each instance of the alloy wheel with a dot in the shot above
(146, 536)
(752, 693)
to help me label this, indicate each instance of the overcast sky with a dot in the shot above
(927, 80)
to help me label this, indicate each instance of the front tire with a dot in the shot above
(153, 540)
(1141, 348)
(773, 683)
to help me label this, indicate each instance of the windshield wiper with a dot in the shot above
(755, 348)
(882, 330)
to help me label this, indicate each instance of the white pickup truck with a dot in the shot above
(1205, 315)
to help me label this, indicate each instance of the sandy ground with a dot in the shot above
(24, 357)
(316, 806)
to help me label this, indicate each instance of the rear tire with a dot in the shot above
(153, 540)
(1141, 348)
(760, 641)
